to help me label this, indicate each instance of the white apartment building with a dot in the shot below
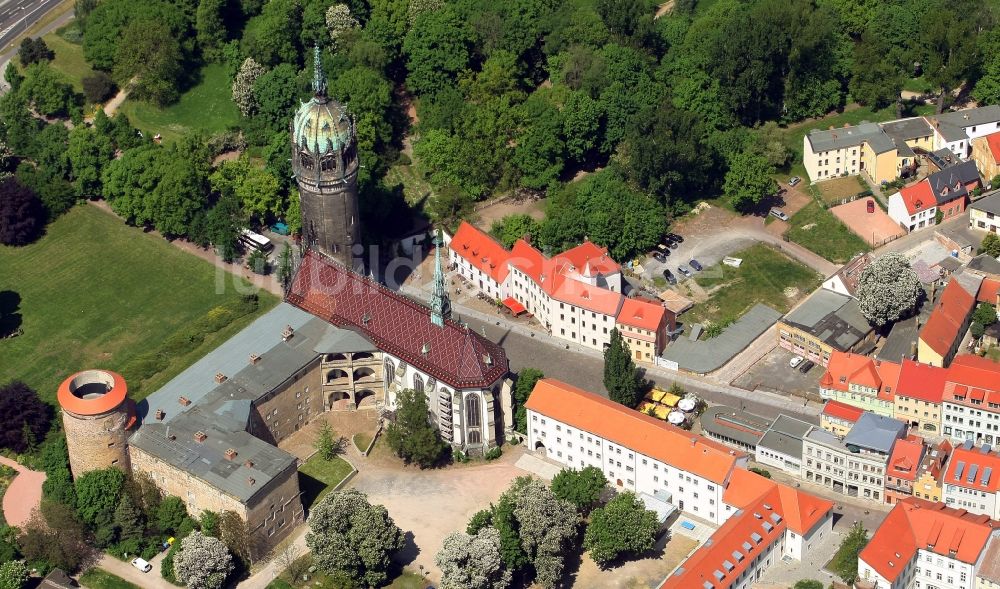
(972, 480)
(636, 452)
(956, 130)
(970, 403)
(925, 545)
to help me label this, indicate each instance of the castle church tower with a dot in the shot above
(325, 164)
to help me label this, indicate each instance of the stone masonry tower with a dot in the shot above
(96, 417)
(325, 164)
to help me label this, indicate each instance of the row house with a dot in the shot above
(576, 295)
(971, 400)
(949, 319)
(946, 192)
(866, 383)
(838, 418)
(918, 397)
(986, 153)
(902, 469)
(957, 130)
(928, 483)
(636, 452)
(984, 214)
(972, 480)
(770, 522)
(925, 545)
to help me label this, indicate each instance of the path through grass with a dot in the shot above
(97, 578)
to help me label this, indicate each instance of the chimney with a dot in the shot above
(286, 334)
(251, 481)
(248, 464)
(220, 378)
(230, 453)
(159, 415)
(200, 436)
(184, 401)
(254, 359)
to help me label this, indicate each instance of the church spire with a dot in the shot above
(319, 78)
(440, 305)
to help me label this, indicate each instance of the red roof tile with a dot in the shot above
(921, 381)
(989, 290)
(838, 410)
(918, 197)
(845, 368)
(973, 457)
(482, 251)
(993, 142)
(905, 458)
(641, 314)
(916, 523)
(947, 318)
(590, 259)
(452, 354)
(644, 434)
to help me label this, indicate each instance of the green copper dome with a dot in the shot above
(322, 126)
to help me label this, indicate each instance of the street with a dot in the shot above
(17, 16)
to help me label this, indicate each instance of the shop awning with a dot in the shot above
(515, 307)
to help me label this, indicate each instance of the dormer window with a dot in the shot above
(306, 161)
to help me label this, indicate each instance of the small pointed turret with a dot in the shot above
(319, 79)
(440, 304)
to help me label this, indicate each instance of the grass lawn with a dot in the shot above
(318, 476)
(920, 85)
(69, 60)
(206, 107)
(834, 190)
(97, 578)
(818, 230)
(415, 186)
(362, 440)
(765, 276)
(96, 293)
(319, 580)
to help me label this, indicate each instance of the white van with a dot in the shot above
(142, 565)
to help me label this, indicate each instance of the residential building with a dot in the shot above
(957, 129)
(575, 295)
(913, 207)
(925, 545)
(838, 418)
(988, 566)
(942, 334)
(971, 401)
(918, 397)
(989, 292)
(866, 383)
(845, 281)
(771, 522)
(734, 427)
(856, 465)
(972, 479)
(984, 214)
(636, 452)
(986, 153)
(902, 469)
(946, 192)
(781, 445)
(931, 471)
(825, 322)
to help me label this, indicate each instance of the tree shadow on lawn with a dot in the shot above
(10, 319)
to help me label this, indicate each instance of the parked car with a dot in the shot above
(683, 270)
(696, 265)
(673, 244)
(142, 565)
(779, 214)
(675, 237)
(659, 257)
(794, 180)
(669, 276)
(871, 206)
(795, 361)
(663, 249)
(806, 366)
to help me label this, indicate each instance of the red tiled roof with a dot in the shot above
(643, 434)
(838, 410)
(845, 368)
(993, 142)
(589, 257)
(917, 197)
(947, 318)
(905, 458)
(481, 250)
(989, 290)
(452, 354)
(921, 381)
(587, 296)
(758, 499)
(915, 523)
(641, 314)
(973, 457)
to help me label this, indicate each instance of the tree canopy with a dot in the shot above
(24, 417)
(411, 436)
(623, 527)
(621, 376)
(888, 289)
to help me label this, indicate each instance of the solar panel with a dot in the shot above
(738, 556)
(728, 565)
(756, 537)
(973, 469)
(767, 526)
(967, 445)
(959, 470)
(986, 476)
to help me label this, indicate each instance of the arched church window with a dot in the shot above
(474, 437)
(418, 383)
(328, 163)
(472, 410)
(390, 371)
(306, 161)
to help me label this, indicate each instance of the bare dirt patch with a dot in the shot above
(494, 212)
(875, 227)
(644, 572)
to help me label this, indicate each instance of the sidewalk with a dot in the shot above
(23, 495)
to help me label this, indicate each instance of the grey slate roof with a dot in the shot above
(988, 203)
(969, 281)
(832, 318)
(704, 356)
(785, 435)
(907, 129)
(943, 182)
(741, 426)
(944, 157)
(985, 264)
(839, 138)
(971, 117)
(875, 432)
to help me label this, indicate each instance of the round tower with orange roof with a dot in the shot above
(97, 415)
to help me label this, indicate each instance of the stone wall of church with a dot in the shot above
(290, 406)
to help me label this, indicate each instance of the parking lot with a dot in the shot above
(875, 227)
(773, 373)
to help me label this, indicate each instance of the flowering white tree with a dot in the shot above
(243, 96)
(203, 562)
(339, 20)
(888, 289)
(13, 574)
(472, 562)
(417, 7)
(547, 527)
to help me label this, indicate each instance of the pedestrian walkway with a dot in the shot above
(23, 495)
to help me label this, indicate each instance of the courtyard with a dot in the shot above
(876, 227)
(772, 373)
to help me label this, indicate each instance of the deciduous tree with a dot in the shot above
(22, 217)
(350, 536)
(888, 289)
(254, 187)
(513, 227)
(98, 87)
(21, 407)
(33, 50)
(13, 574)
(325, 444)
(526, 380)
(582, 487)
(991, 245)
(339, 20)
(243, 94)
(749, 180)
(546, 527)
(437, 49)
(203, 562)
(54, 535)
(411, 436)
(472, 562)
(623, 527)
(621, 377)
